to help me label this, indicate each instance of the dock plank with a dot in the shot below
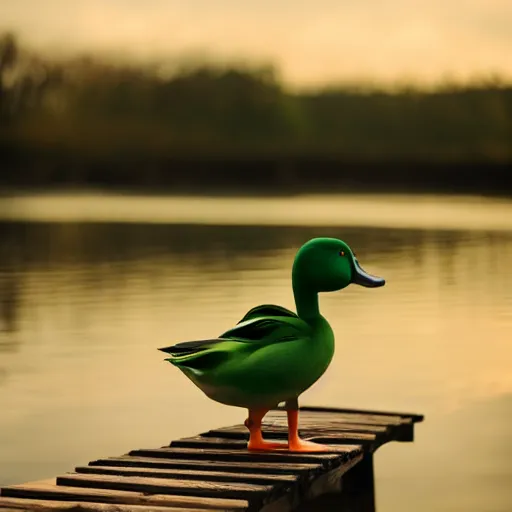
(199, 488)
(17, 504)
(397, 431)
(191, 474)
(325, 418)
(281, 431)
(333, 423)
(48, 490)
(392, 419)
(416, 418)
(338, 454)
(315, 429)
(240, 442)
(210, 465)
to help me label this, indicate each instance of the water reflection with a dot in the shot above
(465, 463)
(84, 306)
(9, 294)
(9, 289)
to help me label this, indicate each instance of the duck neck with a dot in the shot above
(306, 301)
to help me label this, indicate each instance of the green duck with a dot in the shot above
(273, 354)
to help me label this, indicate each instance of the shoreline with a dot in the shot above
(399, 211)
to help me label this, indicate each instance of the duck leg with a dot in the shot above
(295, 443)
(256, 441)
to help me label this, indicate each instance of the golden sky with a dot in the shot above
(310, 41)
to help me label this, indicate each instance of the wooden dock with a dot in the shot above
(214, 471)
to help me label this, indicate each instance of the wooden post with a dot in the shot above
(356, 492)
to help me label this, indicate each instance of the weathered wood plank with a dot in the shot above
(329, 418)
(217, 443)
(281, 431)
(416, 418)
(210, 465)
(198, 488)
(17, 504)
(230, 442)
(389, 418)
(392, 419)
(400, 431)
(337, 455)
(191, 474)
(47, 490)
(333, 422)
(397, 432)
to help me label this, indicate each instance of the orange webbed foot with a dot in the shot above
(256, 442)
(264, 446)
(299, 445)
(295, 443)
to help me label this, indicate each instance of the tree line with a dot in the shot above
(86, 106)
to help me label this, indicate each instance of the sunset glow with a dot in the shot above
(310, 43)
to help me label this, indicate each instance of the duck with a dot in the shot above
(272, 355)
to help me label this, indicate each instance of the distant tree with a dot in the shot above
(8, 57)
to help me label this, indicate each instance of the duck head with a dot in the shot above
(329, 264)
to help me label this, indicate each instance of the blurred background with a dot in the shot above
(162, 161)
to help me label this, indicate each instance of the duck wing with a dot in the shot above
(258, 323)
(268, 329)
(246, 338)
(267, 310)
(258, 329)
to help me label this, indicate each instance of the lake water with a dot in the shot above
(91, 285)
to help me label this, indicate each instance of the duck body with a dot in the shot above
(271, 356)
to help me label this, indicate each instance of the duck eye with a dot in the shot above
(342, 253)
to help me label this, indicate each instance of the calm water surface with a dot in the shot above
(84, 305)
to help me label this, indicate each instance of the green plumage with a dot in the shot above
(273, 354)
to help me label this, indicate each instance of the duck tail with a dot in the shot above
(191, 347)
(198, 360)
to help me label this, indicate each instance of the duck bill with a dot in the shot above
(361, 277)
